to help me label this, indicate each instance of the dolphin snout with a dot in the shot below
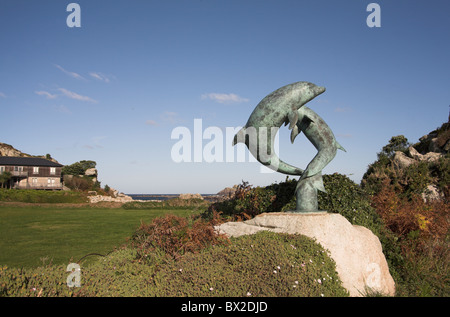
(320, 90)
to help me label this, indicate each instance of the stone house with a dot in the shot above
(32, 172)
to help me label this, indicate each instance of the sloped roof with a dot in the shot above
(27, 161)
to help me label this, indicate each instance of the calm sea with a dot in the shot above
(162, 196)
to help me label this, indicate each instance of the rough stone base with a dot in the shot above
(360, 262)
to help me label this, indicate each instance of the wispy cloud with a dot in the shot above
(76, 96)
(71, 74)
(224, 98)
(2, 95)
(46, 94)
(100, 76)
(151, 122)
(342, 109)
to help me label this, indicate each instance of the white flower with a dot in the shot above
(211, 289)
(319, 281)
(296, 282)
(249, 294)
(275, 271)
(278, 267)
(321, 295)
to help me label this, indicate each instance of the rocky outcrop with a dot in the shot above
(190, 196)
(429, 157)
(92, 173)
(360, 262)
(432, 193)
(412, 156)
(9, 150)
(437, 141)
(121, 198)
(228, 192)
(404, 160)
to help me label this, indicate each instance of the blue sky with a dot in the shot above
(114, 89)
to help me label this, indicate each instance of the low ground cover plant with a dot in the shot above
(265, 264)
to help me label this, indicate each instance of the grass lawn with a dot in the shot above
(32, 236)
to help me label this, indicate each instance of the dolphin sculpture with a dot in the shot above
(323, 139)
(286, 105)
(280, 106)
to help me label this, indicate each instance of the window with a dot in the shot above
(18, 168)
(34, 181)
(52, 170)
(2, 169)
(35, 170)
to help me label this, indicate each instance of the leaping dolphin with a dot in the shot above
(280, 106)
(321, 136)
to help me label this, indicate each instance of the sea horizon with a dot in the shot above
(160, 196)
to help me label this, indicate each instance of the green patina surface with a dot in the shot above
(286, 106)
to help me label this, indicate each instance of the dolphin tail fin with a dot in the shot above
(340, 147)
(315, 182)
(239, 137)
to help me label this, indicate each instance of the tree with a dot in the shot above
(5, 178)
(78, 168)
(397, 143)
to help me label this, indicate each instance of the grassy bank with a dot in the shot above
(41, 196)
(285, 265)
(32, 235)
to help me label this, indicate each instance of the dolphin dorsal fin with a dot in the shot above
(295, 131)
(293, 118)
(340, 147)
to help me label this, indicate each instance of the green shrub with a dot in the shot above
(80, 183)
(175, 236)
(343, 196)
(78, 168)
(175, 203)
(251, 201)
